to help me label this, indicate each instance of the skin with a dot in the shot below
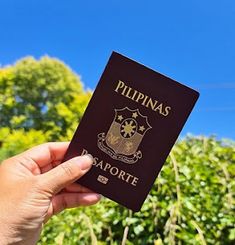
(34, 186)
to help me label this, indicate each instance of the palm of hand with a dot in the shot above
(30, 194)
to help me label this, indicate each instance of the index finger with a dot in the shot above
(47, 153)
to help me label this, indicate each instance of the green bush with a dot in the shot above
(191, 202)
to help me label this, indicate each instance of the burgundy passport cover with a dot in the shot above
(130, 125)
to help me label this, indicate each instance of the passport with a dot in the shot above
(129, 127)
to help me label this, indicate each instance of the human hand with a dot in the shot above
(34, 186)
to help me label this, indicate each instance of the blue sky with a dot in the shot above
(192, 42)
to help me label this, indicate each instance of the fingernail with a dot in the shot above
(85, 162)
(91, 157)
(99, 196)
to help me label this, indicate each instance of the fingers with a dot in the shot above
(74, 187)
(49, 166)
(64, 174)
(71, 200)
(47, 153)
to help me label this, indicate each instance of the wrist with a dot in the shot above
(6, 234)
(11, 235)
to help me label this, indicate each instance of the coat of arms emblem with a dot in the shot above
(124, 135)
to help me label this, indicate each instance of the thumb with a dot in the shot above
(66, 173)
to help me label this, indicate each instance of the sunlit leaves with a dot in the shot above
(203, 215)
(41, 94)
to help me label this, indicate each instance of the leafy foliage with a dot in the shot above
(191, 202)
(41, 94)
(18, 140)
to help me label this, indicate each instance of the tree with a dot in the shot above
(42, 95)
(19, 140)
